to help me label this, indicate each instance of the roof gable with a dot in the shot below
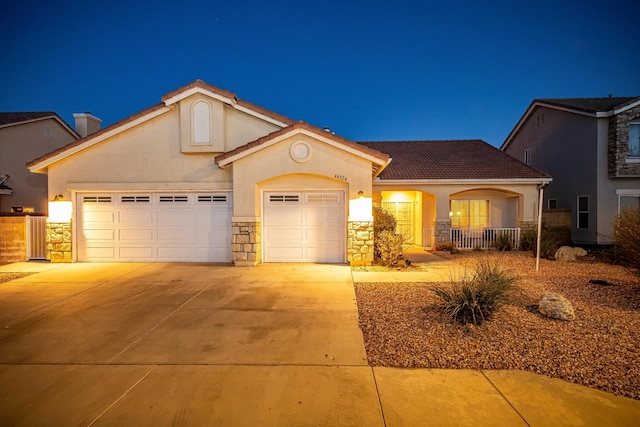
(20, 118)
(451, 160)
(168, 100)
(379, 159)
(592, 107)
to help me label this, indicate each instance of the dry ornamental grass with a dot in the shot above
(600, 348)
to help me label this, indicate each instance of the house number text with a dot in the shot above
(342, 177)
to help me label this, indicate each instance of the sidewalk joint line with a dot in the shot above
(504, 397)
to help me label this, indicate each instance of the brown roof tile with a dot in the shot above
(19, 117)
(454, 159)
(302, 125)
(590, 105)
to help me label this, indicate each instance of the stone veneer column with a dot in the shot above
(59, 242)
(245, 243)
(443, 229)
(360, 242)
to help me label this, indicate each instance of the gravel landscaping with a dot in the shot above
(5, 277)
(599, 349)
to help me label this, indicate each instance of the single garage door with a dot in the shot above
(306, 226)
(183, 227)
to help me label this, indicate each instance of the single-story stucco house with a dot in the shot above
(204, 176)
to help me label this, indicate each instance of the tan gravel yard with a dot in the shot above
(600, 348)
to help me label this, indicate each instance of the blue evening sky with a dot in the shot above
(371, 70)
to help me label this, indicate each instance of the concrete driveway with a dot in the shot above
(193, 344)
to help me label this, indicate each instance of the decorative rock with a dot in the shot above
(579, 252)
(565, 253)
(556, 306)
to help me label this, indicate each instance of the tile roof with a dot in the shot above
(450, 159)
(302, 125)
(19, 117)
(590, 105)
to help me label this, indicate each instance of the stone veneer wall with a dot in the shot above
(618, 144)
(245, 243)
(443, 233)
(360, 242)
(59, 242)
(13, 239)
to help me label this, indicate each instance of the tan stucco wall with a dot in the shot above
(337, 168)
(21, 144)
(147, 157)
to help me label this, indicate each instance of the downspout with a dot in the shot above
(539, 239)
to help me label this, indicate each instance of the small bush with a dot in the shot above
(390, 247)
(503, 242)
(474, 297)
(382, 221)
(626, 236)
(548, 243)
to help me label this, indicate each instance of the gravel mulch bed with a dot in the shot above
(5, 277)
(599, 349)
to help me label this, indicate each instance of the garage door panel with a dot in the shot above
(100, 253)
(284, 254)
(155, 227)
(135, 216)
(99, 234)
(136, 252)
(136, 234)
(98, 216)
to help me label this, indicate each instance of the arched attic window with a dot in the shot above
(201, 123)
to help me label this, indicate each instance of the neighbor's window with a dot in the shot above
(469, 213)
(628, 202)
(552, 203)
(527, 156)
(583, 212)
(634, 140)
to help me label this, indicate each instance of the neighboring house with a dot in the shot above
(591, 147)
(24, 136)
(204, 176)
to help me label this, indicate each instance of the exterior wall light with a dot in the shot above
(361, 209)
(60, 210)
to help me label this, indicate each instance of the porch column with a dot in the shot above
(360, 242)
(443, 221)
(246, 247)
(59, 242)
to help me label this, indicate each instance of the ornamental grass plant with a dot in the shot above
(474, 296)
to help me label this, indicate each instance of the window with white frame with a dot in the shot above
(583, 212)
(469, 213)
(634, 140)
(527, 156)
(628, 202)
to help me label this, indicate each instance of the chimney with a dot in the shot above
(86, 124)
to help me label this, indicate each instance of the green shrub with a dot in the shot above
(474, 297)
(548, 243)
(626, 236)
(390, 247)
(503, 242)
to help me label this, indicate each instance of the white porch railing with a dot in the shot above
(36, 237)
(463, 238)
(428, 238)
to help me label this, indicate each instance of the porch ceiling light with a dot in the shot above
(60, 210)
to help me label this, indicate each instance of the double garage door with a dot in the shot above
(154, 227)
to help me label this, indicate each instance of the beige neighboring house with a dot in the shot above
(205, 176)
(24, 136)
(591, 147)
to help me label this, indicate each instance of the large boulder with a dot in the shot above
(565, 253)
(579, 252)
(556, 306)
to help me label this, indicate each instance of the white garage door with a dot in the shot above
(187, 227)
(304, 226)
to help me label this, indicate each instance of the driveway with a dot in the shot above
(194, 344)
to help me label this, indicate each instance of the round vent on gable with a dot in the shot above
(300, 151)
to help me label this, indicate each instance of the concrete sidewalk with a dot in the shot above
(195, 344)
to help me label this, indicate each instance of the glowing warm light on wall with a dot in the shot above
(361, 209)
(60, 210)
